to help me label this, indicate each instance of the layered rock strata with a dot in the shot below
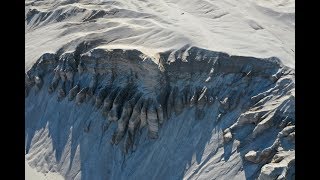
(138, 92)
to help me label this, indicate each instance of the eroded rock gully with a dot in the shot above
(139, 92)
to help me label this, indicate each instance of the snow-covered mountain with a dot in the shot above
(160, 89)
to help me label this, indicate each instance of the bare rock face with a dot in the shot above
(287, 131)
(101, 96)
(152, 121)
(119, 101)
(281, 167)
(143, 114)
(224, 105)
(81, 95)
(28, 84)
(73, 92)
(107, 103)
(38, 82)
(257, 157)
(178, 104)
(139, 94)
(54, 83)
(292, 137)
(123, 122)
(160, 115)
(135, 118)
(228, 136)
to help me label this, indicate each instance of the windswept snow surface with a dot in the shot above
(262, 28)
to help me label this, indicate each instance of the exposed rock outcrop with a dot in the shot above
(129, 89)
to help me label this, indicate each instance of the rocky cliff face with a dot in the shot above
(192, 113)
(129, 89)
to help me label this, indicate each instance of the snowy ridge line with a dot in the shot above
(245, 28)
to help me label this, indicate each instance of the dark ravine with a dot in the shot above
(137, 92)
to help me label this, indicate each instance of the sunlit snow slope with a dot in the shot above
(243, 27)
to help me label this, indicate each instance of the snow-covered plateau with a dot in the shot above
(162, 90)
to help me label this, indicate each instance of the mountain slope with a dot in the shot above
(128, 90)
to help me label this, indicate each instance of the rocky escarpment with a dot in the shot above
(250, 97)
